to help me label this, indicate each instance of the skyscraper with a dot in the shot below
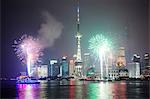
(54, 68)
(136, 58)
(71, 67)
(65, 67)
(121, 60)
(78, 62)
(86, 63)
(134, 70)
(146, 59)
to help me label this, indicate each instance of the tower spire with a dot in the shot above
(78, 35)
(78, 16)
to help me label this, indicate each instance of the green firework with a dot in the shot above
(100, 44)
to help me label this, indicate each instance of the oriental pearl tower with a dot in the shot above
(78, 61)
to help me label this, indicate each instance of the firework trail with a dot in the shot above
(101, 47)
(28, 50)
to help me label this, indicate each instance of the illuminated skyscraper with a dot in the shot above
(136, 58)
(146, 59)
(121, 60)
(54, 68)
(134, 70)
(86, 63)
(65, 67)
(78, 63)
(71, 67)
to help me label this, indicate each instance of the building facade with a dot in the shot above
(71, 67)
(123, 73)
(65, 67)
(121, 60)
(86, 63)
(146, 59)
(54, 68)
(113, 73)
(134, 70)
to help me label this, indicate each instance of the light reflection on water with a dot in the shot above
(28, 91)
(80, 90)
(107, 90)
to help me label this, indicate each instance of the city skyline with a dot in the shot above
(19, 17)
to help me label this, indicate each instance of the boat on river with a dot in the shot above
(27, 80)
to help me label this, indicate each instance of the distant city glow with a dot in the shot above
(29, 50)
(101, 47)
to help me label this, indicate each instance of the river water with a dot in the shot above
(76, 90)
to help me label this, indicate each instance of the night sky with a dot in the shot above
(127, 19)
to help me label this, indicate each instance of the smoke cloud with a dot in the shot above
(50, 29)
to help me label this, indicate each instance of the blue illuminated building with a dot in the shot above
(65, 67)
(53, 68)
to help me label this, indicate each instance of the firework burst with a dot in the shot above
(101, 48)
(99, 43)
(29, 50)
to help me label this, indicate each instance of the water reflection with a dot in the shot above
(106, 90)
(72, 90)
(118, 90)
(28, 91)
(82, 90)
(43, 90)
